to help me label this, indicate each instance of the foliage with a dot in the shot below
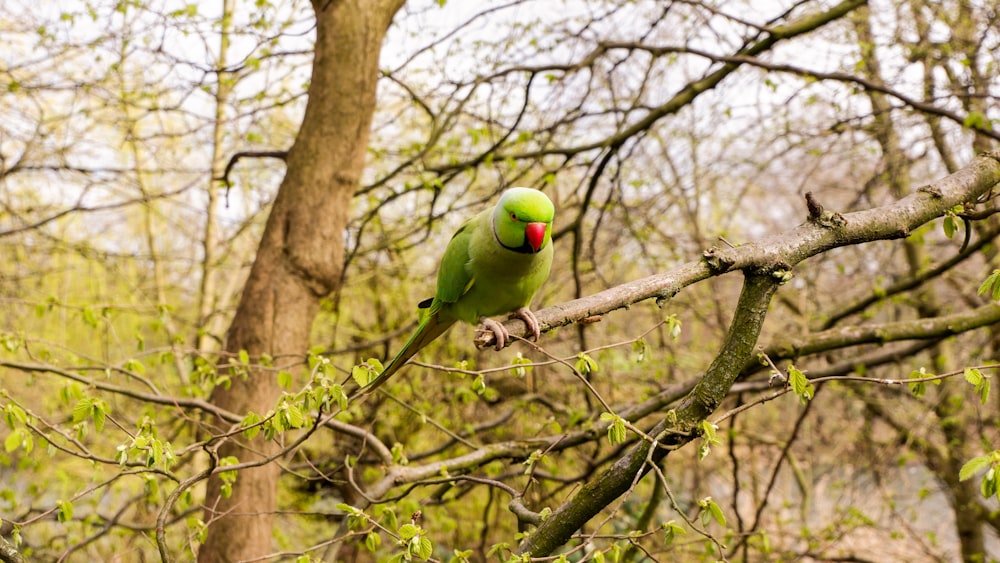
(674, 138)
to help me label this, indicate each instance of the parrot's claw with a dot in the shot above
(529, 319)
(498, 330)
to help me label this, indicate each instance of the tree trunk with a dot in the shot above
(300, 257)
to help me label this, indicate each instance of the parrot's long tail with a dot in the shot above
(430, 328)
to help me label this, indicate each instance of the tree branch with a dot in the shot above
(681, 99)
(914, 281)
(934, 328)
(765, 263)
(8, 553)
(671, 431)
(280, 155)
(892, 221)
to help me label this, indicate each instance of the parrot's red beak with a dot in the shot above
(535, 233)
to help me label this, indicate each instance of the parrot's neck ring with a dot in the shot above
(523, 249)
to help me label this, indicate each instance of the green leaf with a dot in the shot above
(585, 364)
(314, 359)
(227, 477)
(988, 486)
(949, 226)
(641, 350)
(70, 392)
(293, 416)
(15, 415)
(617, 433)
(398, 454)
(338, 395)
(407, 532)
(135, 365)
(709, 438)
(251, 424)
(918, 388)
(274, 424)
(93, 409)
(973, 376)
(361, 374)
(979, 381)
(244, 357)
(100, 411)
(479, 384)
(372, 541)
(344, 507)
(11, 342)
(284, 379)
(89, 317)
(991, 285)
(975, 465)
(46, 306)
(13, 440)
(800, 384)
(673, 327)
(388, 517)
(976, 120)
(366, 372)
(424, 548)
(531, 461)
(671, 529)
(64, 511)
(155, 453)
(519, 365)
(716, 511)
(711, 511)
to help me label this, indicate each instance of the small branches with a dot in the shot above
(656, 129)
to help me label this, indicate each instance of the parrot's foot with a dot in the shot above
(498, 330)
(529, 319)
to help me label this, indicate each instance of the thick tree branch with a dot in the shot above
(672, 431)
(892, 221)
(8, 553)
(926, 108)
(915, 281)
(765, 262)
(934, 328)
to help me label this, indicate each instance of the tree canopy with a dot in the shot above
(768, 334)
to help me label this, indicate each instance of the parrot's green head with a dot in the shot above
(522, 220)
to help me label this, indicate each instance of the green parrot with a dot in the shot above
(494, 264)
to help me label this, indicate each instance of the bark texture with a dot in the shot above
(300, 257)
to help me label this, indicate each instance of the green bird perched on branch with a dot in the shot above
(494, 264)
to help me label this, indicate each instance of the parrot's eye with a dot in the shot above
(513, 216)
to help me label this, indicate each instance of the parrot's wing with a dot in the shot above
(454, 277)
